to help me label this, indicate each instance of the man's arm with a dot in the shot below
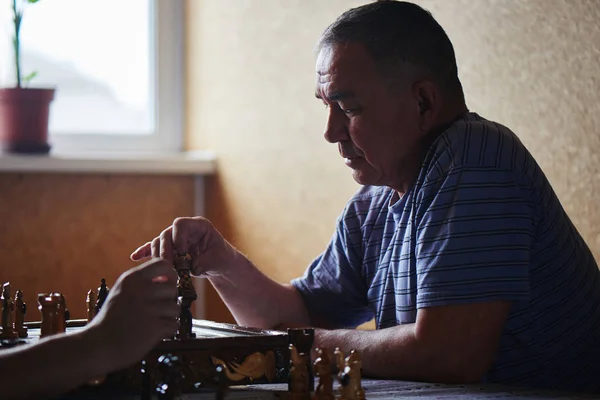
(447, 344)
(256, 300)
(253, 298)
(452, 344)
(51, 366)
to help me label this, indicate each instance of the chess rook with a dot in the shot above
(8, 308)
(186, 296)
(20, 311)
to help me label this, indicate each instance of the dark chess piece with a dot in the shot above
(186, 296)
(184, 331)
(323, 370)
(90, 302)
(49, 307)
(102, 295)
(171, 377)
(8, 308)
(221, 380)
(20, 311)
(63, 313)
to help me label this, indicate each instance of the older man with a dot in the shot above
(456, 243)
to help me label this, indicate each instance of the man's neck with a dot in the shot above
(412, 170)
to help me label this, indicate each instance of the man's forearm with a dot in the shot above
(396, 353)
(49, 367)
(258, 301)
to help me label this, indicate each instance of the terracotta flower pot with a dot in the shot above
(24, 114)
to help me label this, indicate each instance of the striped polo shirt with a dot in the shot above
(481, 223)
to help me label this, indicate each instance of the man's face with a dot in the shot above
(375, 126)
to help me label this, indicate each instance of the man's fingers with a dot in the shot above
(141, 252)
(188, 232)
(166, 244)
(155, 247)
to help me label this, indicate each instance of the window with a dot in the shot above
(117, 66)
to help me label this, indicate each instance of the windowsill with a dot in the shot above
(186, 163)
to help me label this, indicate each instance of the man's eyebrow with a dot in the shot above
(337, 96)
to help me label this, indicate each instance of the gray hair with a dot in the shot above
(397, 33)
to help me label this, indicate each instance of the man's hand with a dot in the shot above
(139, 311)
(212, 255)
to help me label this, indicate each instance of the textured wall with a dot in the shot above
(64, 233)
(530, 64)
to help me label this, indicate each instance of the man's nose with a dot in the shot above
(336, 129)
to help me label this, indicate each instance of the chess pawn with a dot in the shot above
(20, 311)
(49, 307)
(90, 301)
(299, 381)
(8, 308)
(322, 369)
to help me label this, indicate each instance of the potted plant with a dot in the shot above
(24, 111)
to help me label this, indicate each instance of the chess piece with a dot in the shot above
(90, 302)
(350, 376)
(171, 375)
(8, 308)
(20, 311)
(186, 296)
(299, 380)
(103, 291)
(49, 307)
(322, 367)
(221, 381)
(62, 314)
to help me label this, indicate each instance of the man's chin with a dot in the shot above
(364, 177)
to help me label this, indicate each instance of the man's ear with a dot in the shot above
(429, 100)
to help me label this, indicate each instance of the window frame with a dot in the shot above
(167, 56)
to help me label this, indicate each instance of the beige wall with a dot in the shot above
(530, 64)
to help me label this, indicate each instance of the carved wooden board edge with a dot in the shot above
(222, 326)
(222, 343)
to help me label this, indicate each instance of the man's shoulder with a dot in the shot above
(366, 200)
(473, 142)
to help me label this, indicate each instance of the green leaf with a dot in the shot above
(33, 1)
(27, 78)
